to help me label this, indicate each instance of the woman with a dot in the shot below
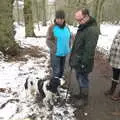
(114, 60)
(58, 40)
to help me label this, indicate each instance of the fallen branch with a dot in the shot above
(10, 100)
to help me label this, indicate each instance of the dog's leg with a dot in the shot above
(46, 103)
(26, 87)
(51, 100)
(58, 90)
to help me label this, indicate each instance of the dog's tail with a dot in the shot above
(40, 87)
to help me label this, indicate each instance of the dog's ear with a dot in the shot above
(26, 83)
(53, 85)
(40, 87)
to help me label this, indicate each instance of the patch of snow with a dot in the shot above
(14, 74)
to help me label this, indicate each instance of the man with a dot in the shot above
(58, 40)
(83, 51)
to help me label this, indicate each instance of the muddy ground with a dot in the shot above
(100, 107)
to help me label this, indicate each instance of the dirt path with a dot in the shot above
(100, 107)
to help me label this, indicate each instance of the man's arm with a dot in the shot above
(90, 45)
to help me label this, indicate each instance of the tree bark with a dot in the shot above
(29, 27)
(98, 9)
(44, 13)
(37, 13)
(18, 12)
(101, 2)
(7, 42)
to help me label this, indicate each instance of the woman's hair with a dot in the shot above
(60, 14)
(61, 26)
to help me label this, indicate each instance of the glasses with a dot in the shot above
(80, 20)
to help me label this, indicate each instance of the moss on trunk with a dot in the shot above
(29, 28)
(7, 42)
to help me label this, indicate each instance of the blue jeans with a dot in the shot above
(82, 79)
(58, 64)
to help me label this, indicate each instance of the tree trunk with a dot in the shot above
(101, 2)
(97, 9)
(18, 12)
(37, 13)
(44, 12)
(29, 27)
(7, 42)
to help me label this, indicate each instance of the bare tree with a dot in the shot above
(29, 27)
(18, 12)
(44, 13)
(37, 13)
(7, 42)
(98, 4)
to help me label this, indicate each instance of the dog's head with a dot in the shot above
(32, 84)
(54, 84)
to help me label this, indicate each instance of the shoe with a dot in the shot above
(108, 93)
(112, 89)
(85, 100)
(78, 103)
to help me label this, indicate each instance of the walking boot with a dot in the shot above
(85, 95)
(112, 89)
(116, 95)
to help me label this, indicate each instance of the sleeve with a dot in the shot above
(90, 45)
(50, 32)
(114, 45)
(50, 37)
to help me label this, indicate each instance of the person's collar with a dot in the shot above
(87, 24)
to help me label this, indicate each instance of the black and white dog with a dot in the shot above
(48, 89)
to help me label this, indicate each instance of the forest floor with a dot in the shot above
(100, 107)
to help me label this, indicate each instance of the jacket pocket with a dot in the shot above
(75, 61)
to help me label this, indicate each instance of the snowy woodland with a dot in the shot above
(13, 73)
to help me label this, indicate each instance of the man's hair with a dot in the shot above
(85, 11)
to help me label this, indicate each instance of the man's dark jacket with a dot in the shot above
(83, 50)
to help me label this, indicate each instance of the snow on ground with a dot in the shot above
(13, 103)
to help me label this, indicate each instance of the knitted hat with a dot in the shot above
(60, 14)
